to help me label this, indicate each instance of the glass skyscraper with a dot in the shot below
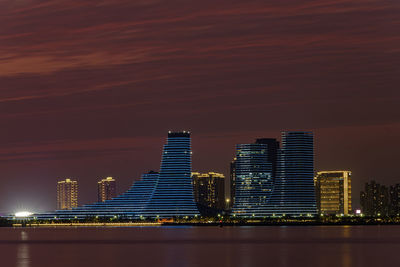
(273, 181)
(254, 181)
(294, 191)
(272, 152)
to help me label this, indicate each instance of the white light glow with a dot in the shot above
(23, 214)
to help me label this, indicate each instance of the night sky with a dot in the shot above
(89, 89)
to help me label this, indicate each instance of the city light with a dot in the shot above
(147, 194)
(22, 214)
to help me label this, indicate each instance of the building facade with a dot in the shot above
(67, 194)
(374, 199)
(294, 191)
(271, 181)
(230, 185)
(106, 189)
(173, 194)
(272, 152)
(253, 180)
(209, 192)
(333, 192)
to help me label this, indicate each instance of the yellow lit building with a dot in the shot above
(106, 189)
(333, 192)
(67, 194)
(209, 190)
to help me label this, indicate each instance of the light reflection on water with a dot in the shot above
(23, 259)
(331, 246)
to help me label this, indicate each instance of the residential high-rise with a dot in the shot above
(209, 192)
(375, 199)
(254, 182)
(294, 192)
(333, 192)
(67, 194)
(106, 189)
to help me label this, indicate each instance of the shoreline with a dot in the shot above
(213, 224)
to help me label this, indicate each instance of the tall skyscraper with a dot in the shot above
(294, 192)
(254, 182)
(375, 199)
(273, 181)
(209, 192)
(272, 152)
(173, 195)
(67, 194)
(106, 189)
(333, 192)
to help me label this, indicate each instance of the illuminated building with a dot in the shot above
(67, 194)
(375, 199)
(254, 182)
(272, 147)
(166, 194)
(127, 205)
(230, 185)
(294, 192)
(394, 193)
(209, 192)
(173, 195)
(333, 192)
(106, 189)
(272, 181)
(272, 152)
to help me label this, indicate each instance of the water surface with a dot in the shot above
(297, 246)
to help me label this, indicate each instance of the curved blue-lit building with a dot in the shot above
(127, 205)
(168, 193)
(173, 195)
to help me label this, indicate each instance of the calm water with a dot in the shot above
(201, 246)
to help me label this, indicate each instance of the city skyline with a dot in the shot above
(261, 190)
(91, 96)
(259, 141)
(268, 179)
(195, 133)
